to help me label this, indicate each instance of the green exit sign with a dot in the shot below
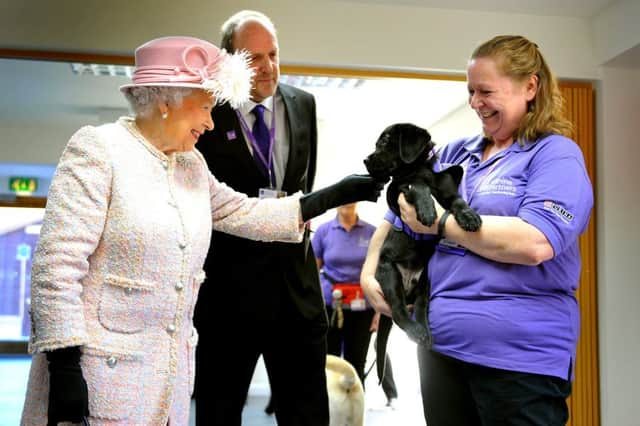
(23, 185)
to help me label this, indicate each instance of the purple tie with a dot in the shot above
(263, 138)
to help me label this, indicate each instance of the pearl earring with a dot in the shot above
(165, 115)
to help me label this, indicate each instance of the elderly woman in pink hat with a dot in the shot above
(127, 227)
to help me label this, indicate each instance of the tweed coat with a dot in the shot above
(119, 265)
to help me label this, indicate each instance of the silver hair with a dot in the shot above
(230, 26)
(144, 99)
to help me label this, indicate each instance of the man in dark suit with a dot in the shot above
(261, 298)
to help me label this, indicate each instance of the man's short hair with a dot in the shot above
(230, 26)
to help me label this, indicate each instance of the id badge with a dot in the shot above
(448, 246)
(358, 304)
(271, 193)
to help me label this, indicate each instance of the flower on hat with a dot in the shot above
(232, 79)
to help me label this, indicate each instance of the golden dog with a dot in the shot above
(346, 394)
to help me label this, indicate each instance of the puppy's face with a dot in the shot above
(398, 145)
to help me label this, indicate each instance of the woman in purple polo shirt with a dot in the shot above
(503, 311)
(340, 246)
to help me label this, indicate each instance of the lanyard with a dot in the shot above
(268, 162)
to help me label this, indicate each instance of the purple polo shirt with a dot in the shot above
(342, 252)
(508, 316)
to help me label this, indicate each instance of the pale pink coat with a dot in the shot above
(118, 268)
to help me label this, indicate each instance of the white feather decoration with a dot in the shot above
(232, 81)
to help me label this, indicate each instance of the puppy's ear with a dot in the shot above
(413, 141)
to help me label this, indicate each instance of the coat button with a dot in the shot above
(182, 245)
(112, 361)
(171, 328)
(165, 164)
(179, 287)
(128, 291)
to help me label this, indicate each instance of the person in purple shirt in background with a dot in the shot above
(503, 310)
(340, 246)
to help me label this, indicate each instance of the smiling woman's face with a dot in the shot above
(186, 122)
(499, 101)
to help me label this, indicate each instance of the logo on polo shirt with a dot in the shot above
(558, 210)
(498, 186)
(363, 242)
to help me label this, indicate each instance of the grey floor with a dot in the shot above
(14, 371)
(408, 412)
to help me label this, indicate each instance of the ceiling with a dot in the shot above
(577, 8)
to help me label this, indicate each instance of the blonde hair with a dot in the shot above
(518, 58)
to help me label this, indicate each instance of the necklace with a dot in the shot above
(132, 127)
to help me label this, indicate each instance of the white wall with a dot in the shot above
(616, 30)
(325, 32)
(460, 122)
(617, 207)
(37, 142)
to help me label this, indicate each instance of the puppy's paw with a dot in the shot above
(425, 209)
(426, 216)
(468, 219)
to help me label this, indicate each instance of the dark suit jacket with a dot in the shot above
(251, 278)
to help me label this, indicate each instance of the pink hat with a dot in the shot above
(191, 62)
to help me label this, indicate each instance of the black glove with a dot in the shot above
(349, 190)
(68, 393)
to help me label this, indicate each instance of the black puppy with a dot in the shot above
(406, 153)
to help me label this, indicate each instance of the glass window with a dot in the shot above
(19, 231)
